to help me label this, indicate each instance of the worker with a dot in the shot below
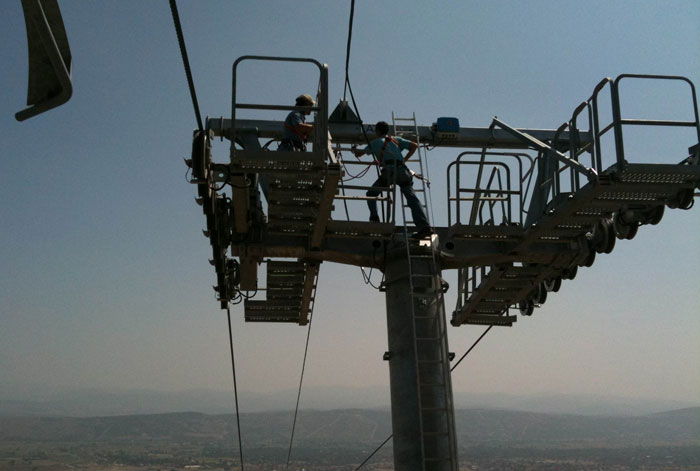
(296, 130)
(387, 152)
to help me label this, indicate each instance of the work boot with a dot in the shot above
(423, 233)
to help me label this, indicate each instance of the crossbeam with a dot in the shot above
(352, 133)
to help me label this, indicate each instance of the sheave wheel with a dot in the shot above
(570, 273)
(683, 200)
(590, 258)
(553, 284)
(540, 294)
(600, 236)
(673, 201)
(526, 307)
(611, 237)
(624, 230)
(604, 236)
(686, 199)
(620, 227)
(656, 214)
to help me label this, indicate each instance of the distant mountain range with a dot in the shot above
(90, 403)
(339, 428)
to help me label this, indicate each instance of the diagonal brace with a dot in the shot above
(542, 147)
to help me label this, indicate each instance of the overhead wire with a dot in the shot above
(200, 126)
(348, 88)
(240, 296)
(235, 386)
(186, 63)
(301, 380)
(374, 452)
(471, 348)
(347, 51)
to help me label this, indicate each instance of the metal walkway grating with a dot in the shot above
(569, 217)
(290, 293)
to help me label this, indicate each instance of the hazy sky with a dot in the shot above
(104, 279)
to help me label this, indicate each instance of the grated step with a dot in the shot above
(503, 321)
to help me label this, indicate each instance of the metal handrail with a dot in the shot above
(320, 135)
(455, 166)
(385, 201)
(593, 147)
(591, 105)
(483, 195)
(501, 196)
(575, 150)
(619, 122)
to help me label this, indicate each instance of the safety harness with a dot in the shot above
(387, 139)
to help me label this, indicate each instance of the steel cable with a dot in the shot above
(348, 87)
(347, 52)
(301, 380)
(471, 348)
(235, 386)
(374, 452)
(198, 116)
(186, 62)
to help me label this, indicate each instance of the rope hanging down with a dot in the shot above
(186, 63)
(235, 386)
(301, 380)
(451, 370)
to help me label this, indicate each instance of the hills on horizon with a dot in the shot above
(91, 403)
(355, 427)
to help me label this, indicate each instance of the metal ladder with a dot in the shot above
(411, 128)
(435, 400)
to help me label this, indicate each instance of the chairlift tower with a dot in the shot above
(543, 203)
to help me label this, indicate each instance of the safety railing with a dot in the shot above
(349, 192)
(501, 190)
(320, 134)
(566, 178)
(619, 122)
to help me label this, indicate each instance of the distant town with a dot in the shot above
(343, 439)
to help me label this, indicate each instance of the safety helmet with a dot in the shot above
(305, 99)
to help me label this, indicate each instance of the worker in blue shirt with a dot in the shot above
(387, 152)
(296, 130)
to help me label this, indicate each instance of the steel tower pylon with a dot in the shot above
(518, 243)
(419, 360)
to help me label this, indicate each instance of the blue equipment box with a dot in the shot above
(447, 125)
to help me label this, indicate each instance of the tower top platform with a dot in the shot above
(525, 210)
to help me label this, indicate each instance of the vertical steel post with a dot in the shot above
(421, 407)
